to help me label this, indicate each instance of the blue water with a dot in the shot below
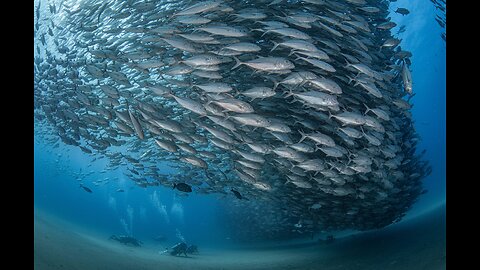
(197, 217)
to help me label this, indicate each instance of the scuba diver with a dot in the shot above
(178, 249)
(126, 240)
(181, 248)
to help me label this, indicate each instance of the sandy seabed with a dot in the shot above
(418, 243)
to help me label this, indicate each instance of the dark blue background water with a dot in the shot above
(56, 187)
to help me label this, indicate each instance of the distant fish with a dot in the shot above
(402, 11)
(120, 190)
(145, 154)
(38, 11)
(182, 187)
(86, 188)
(401, 29)
(237, 194)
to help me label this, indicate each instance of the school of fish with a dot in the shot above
(441, 5)
(299, 111)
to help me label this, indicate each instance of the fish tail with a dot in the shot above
(209, 101)
(237, 63)
(292, 52)
(329, 114)
(236, 92)
(169, 94)
(258, 29)
(299, 57)
(275, 45)
(275, 84)
(289, 93)
(264, 33)
(368, 109)
(349, 157)
(350, 79)
(332, 166)
(348, 63)
(304, 136)
(218, 51)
